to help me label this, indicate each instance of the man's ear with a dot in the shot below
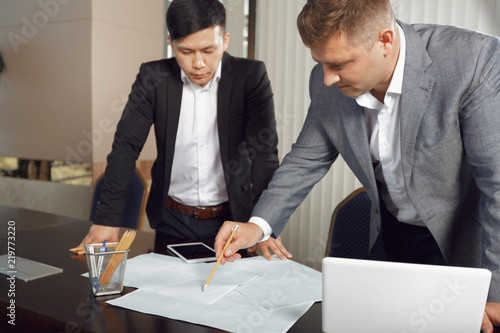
(386, 40)
(226, 41)
(170, 42)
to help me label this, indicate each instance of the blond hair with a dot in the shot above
(360, 20)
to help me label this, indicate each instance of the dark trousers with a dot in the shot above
(186, 227)
(409, 243)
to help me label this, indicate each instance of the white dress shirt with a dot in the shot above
(197, 175)
(384, 135)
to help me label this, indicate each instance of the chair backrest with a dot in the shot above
(133, 214)
(350, 229)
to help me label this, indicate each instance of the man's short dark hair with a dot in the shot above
(185, 17)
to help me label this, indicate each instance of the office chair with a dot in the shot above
(350, 229)
(133, 214)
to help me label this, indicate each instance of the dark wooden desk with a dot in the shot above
(64, 303)
(27, 219)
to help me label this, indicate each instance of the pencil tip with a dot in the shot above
(204, 287)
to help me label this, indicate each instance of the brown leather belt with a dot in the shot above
(199, 212)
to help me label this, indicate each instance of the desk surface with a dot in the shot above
(26, 219)
(63, 302)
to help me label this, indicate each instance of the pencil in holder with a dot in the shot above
(106, 268)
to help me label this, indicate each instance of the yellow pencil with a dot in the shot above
(116, 258)
(218, 260)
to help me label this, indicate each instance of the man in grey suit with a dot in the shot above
(414, 110)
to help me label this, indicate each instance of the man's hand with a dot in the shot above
(491, 317)
(247, 235)
(99, 233)
(274, 245)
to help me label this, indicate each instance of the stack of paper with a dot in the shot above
(248, 295)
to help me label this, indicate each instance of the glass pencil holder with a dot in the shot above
(106, 268)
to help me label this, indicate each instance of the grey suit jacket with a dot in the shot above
(450, 145)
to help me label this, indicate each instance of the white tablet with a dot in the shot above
(193, 252)
(25, 269)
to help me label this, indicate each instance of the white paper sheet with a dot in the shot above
(290, 282)
(249, 295)
(233, 313)
(175, 278)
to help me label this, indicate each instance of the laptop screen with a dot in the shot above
(378, 296)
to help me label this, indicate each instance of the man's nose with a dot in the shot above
(331, 76)
(199, 63)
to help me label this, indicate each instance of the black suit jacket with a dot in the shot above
(247, 136)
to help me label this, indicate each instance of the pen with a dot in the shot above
(218, 260)
(102, 249)
(95, 279)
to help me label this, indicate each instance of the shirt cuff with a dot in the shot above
(266, 228)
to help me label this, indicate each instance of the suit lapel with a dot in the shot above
(354, 122)
(174, 98)
(417, 88)
(223, 102)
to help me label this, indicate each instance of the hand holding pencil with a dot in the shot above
(248, 235)
(218, 260)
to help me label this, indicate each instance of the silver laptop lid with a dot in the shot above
(386, 297)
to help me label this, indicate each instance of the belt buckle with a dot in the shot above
(198, 209)
(216, 211)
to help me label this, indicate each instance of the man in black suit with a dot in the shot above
(215, 129)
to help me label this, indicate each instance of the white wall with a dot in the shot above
(481, 15)
(235, 23)
(289, 64)
(125, 33)
(70, 67)
(45, 93)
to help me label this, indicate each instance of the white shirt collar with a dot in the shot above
(396, 85)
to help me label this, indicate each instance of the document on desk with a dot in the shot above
(253, 294)
(173, 277)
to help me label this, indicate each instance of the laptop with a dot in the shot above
(386, 297)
